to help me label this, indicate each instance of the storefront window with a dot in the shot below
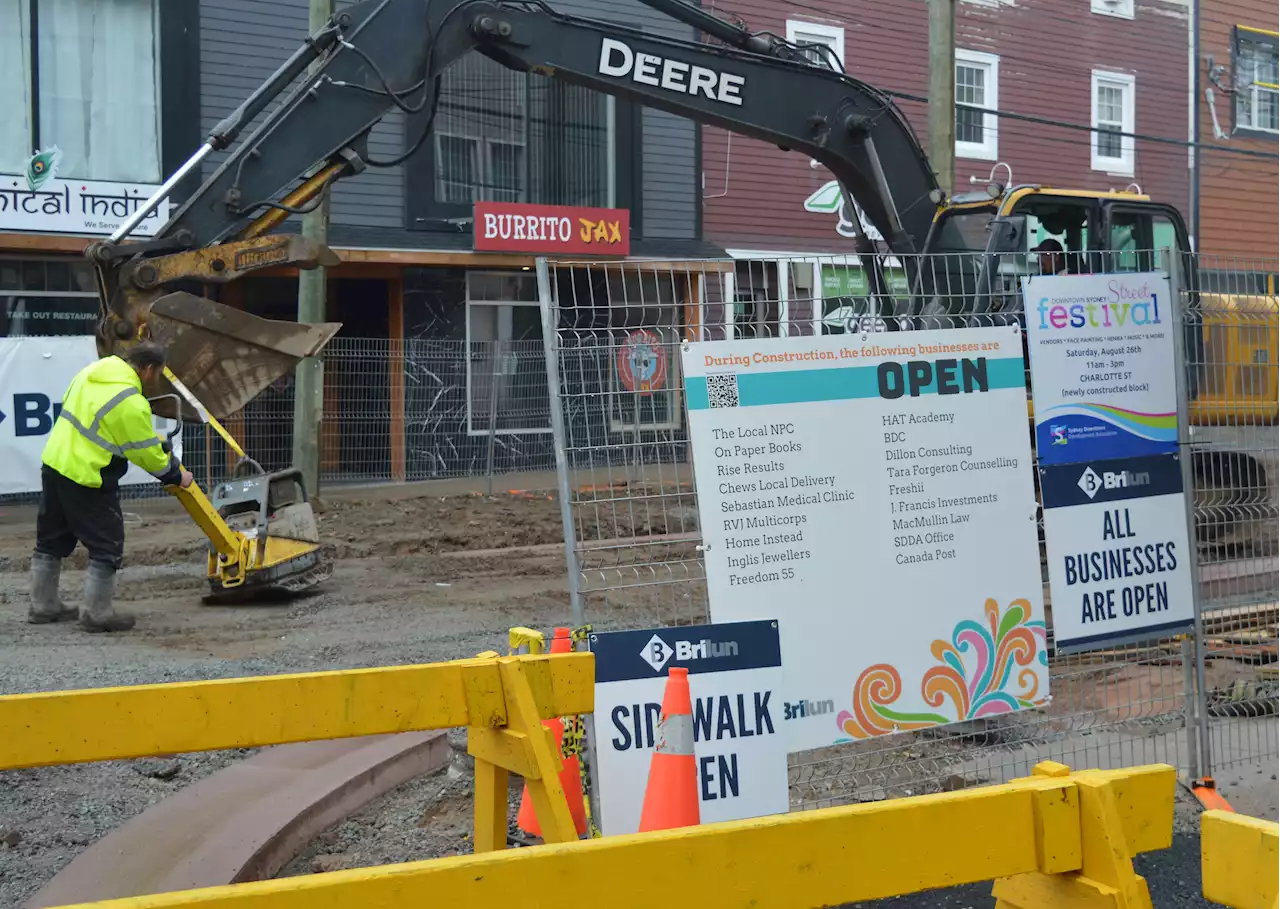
(644, 322)
(93, 67)
(42, 297)
(506, 369)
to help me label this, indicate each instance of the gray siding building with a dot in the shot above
(441, 345)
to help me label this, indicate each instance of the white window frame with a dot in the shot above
(1253, 88)
(481, 154)
(989, 148)
(800, 31)
(472, 428)
(1118, 9)
(1125, 164)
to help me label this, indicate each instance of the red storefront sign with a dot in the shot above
(562, 229)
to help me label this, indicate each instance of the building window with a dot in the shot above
(504, 136)
(1256, 89)
(506, 369)
(1113, 123)
(645, 316)
(831, 36)
(977, 99)
(82, 75)
(1121, 9)
(42, 297)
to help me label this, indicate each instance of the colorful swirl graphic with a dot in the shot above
(1158, 427)
(998, 677)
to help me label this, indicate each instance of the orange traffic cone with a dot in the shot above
(570, 772)
(671, 795)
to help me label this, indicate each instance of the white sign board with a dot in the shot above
(34, 374)
(68, 206)
(1119, 557)
(735, 679)
(875, 493)
(1102, 366)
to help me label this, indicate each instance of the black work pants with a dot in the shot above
(71, 513)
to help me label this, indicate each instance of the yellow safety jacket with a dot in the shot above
(105, 420)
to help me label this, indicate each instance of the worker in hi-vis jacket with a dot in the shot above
(105, 423)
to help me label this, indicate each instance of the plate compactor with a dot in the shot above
(261, 528)
(262, 532)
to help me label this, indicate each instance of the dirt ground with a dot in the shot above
(417, 578)
(421, 574)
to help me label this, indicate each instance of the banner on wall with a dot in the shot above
(881, 487)
(34, 374)
(1102, 366)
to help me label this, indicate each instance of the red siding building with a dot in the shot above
(1238, 112)
(1123, 64)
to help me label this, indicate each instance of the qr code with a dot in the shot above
(722, 391)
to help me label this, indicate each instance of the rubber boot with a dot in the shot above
(46, 606)
(99, 588)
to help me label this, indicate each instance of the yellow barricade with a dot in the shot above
(501, 700)
(1240, 860)
(1056, 839)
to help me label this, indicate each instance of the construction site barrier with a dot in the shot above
(1054, 839)
(1240, 860)
(501, 700)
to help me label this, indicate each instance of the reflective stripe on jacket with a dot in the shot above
(105, 423)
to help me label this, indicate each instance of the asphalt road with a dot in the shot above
(1173, 877)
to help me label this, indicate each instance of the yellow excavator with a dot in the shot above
(308, 126)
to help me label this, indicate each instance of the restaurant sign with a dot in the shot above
(563, 229)
(38, 201)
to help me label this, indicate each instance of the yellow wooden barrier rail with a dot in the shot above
(1057, 839)
(501, 701)
(1240, 860)
(70, 727)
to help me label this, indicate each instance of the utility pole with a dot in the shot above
(308, 388)
(942, 91)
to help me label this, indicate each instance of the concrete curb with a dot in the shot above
(245, 822)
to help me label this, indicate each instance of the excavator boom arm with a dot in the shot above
(307, 126)
(847, 125)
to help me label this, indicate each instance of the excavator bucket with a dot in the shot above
(225, 356)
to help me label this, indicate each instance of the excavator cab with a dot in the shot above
(988, 244)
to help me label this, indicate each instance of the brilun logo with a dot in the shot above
(657, 651)
(1092, 484)
(798, 710)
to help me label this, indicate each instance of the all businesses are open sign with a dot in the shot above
(562, 229)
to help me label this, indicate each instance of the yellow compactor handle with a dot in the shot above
(205, 416)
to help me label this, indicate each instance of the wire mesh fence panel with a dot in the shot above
(475, 407)
(633, 506)
(409, 410)
(620, 388)
(1232, 312)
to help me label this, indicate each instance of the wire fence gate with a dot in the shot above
(1201, 702)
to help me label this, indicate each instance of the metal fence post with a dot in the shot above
(1186, 459)
(551, 346)
(1188, 651)
(493, 417)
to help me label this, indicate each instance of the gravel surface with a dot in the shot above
(417, 579)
